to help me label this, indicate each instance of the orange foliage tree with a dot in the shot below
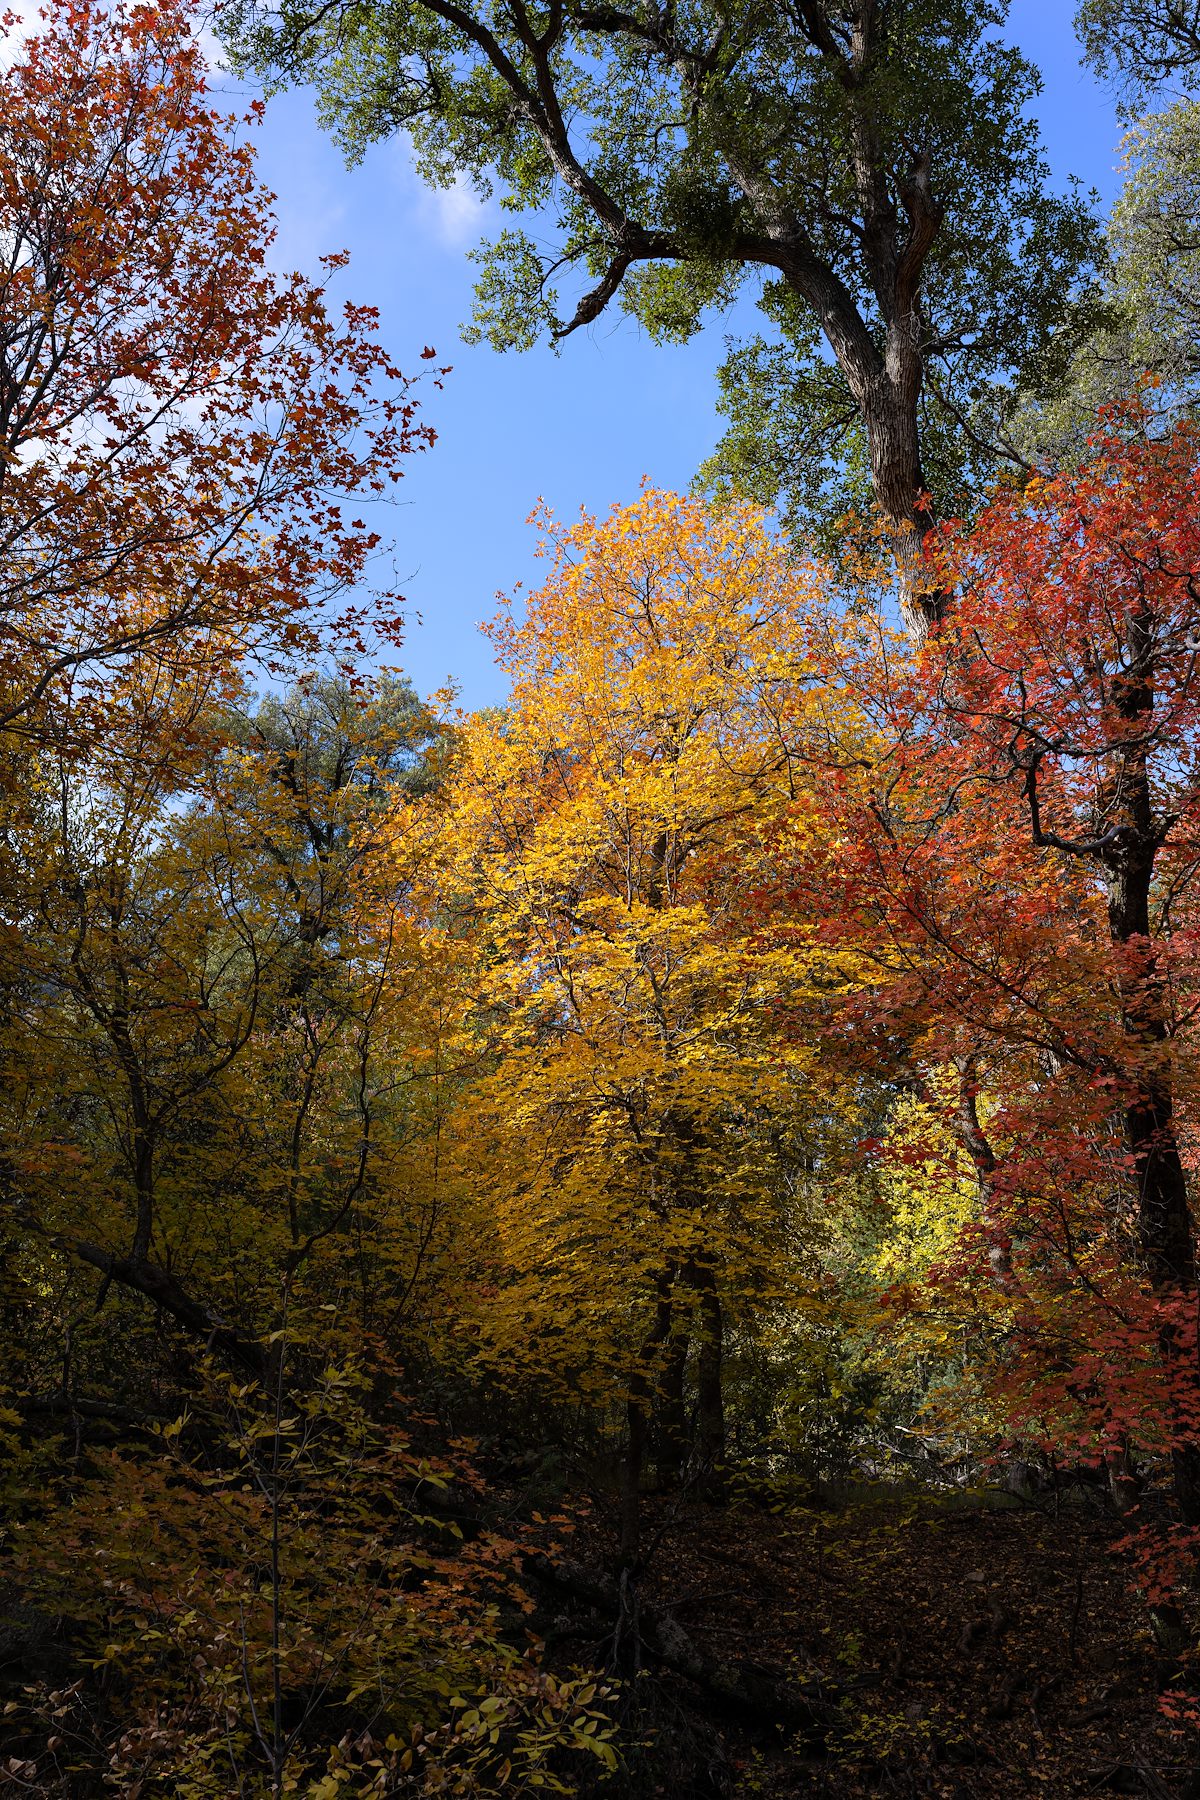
(178, 424)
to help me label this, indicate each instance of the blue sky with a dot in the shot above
(578, 429)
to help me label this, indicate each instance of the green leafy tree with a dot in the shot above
(871, 162)
(315, 767)
(1140, 44)
(1145, 345)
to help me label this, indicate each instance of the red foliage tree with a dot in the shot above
(1014, 855)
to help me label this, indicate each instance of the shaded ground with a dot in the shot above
(967, 1652)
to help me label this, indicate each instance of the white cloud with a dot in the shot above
(211, 49)
(454, 216)
(456, 212)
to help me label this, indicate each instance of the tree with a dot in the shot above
(1016, 809)
(841, 151)
(221, 1061)
(1147, 322)
(180, 430)
(635, 1140)
(178, 425)
(222, 1022)
(1144, 348)
(1141, 44)
(317, 764)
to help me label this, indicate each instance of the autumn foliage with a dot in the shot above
(759, 1056)
(180, 427)
(1015, 806)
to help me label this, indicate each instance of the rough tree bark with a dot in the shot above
(1165, 1229)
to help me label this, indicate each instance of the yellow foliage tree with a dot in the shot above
(637, 1144)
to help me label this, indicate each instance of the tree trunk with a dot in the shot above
(632, 1464)
(670, 1433)
(639, 1401)
(886, 385)
(1164, 1214)
(889, 403)
(160, 1286)
(1126, 805)
(887, 392)
(710, 1397)
(974, 1141)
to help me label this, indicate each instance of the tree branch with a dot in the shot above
(159, 1286)
(593, 303)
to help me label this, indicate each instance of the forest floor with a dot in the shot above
(970, 1651)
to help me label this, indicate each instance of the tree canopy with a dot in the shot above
(872, 164)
